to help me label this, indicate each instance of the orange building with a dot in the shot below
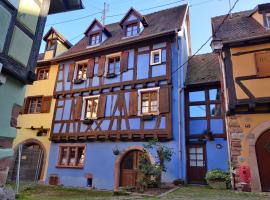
(243, 45)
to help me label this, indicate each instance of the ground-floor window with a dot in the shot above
(71, 156)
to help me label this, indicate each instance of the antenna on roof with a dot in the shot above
(104, 13)
(230, 8)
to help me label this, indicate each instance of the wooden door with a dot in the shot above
(196, 164)
(129, 169)
(263, 158)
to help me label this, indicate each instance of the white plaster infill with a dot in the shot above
(3, 79)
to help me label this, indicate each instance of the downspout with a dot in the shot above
(221, 61)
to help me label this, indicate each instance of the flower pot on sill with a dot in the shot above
(111, 75)
(78, 81)
(88, 121)
(147, 117)
(216, 184)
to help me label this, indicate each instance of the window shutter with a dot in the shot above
(90, 68)
(26, 105)
(133, 103)
(164, 100)
(263, 63)
(71, 72)
(101, 106)
(124, 61)
(46, 104)
(14, 115)
(101, 65)
(78, 108)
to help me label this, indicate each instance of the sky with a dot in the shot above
(201, 12)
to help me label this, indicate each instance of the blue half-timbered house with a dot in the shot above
(117, 88)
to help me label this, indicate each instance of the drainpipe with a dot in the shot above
(221, 61)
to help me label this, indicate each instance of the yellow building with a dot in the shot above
(34, 121)
(244, 50)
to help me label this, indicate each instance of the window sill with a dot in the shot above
(127, 37)
(153, 64)
(72, 167)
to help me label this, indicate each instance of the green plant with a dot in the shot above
(218, 175)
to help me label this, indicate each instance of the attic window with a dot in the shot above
(51, 45)
(94, 39)
(132, 29)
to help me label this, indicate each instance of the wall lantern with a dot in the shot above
(219, 146)
(216, 45)
(116, 151)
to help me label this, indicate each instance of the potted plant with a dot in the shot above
(78, 81)
(88, 121)
(218, 179)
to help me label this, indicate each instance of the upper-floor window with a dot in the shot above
(43, 73)
(35, 104)
(114, 65)
(71, 156)
(94, 39)
(205, 111)
(91, 106)
(132, 29)
(268, 21)
(263, 63)
(51, 45)
(155, 57)
(148, 101)
(81, 71)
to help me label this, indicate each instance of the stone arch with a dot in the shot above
(120, 158)
(33, 141)
(252, 161)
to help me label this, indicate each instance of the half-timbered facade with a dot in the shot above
(114, 91)
(35, 119)
(243, 47)
(206, 141)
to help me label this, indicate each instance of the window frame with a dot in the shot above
(91, 36)
(30, 100)
(207, 102)
(114, 64)
(132, 25)
(51, 45)
(79, 64)
(152, 57)
(84, 107)
(43, 69)
(261, 68)
(148, 90)
(69, 147)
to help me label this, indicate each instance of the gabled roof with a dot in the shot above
(103, 28)
(58, 6)
(240, 27)
(159, 23)
(59, 36)
(136, 13)
(203, 69)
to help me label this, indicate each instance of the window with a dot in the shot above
(81, 71)
(94, 39)
(132, 29)
(205, 111)
(91, 106)
(71, 156)
(156, 57)
(114, 65)
(263, 63)
(196, 157)
(35, 104)
(5, 18)
(268, 21)
(149, 102)
(51, 45)
(43, 73)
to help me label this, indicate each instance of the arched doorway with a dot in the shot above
(31, 162)
(263, 159)
(129, 168)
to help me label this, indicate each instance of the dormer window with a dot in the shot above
(132, 29)
(94, 39)
(51, 45)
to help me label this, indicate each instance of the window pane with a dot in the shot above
(5, 18)
(192, 150)
(64, 156)
(192, 163)
(199, 156)
(156, 58)
(72, 155)
(28, 14)
(81, 157)
(20, 47)
(192, 156)
(214, 94)
(199, 150)
(197, 111)
(197, 96)
(200, 164)
(215, 110)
